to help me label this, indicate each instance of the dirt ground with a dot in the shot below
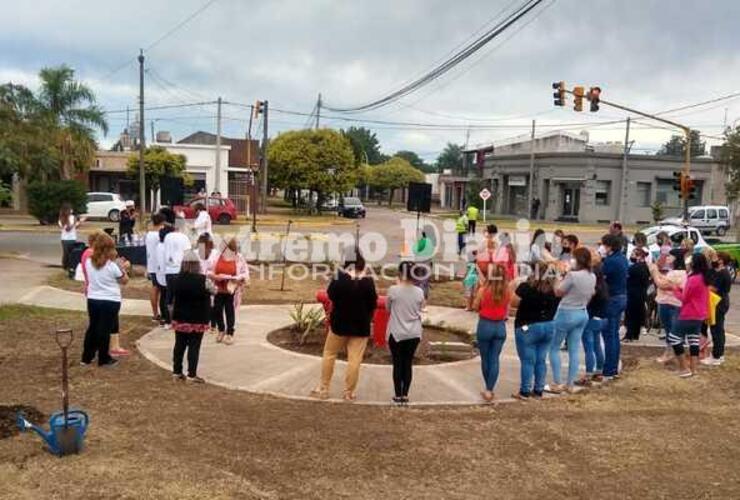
(650, 435)
(266, 289)
(288, 338)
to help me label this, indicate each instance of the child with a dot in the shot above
(470, 282)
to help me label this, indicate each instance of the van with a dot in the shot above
(706, 218)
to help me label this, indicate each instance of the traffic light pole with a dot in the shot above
(686, 130)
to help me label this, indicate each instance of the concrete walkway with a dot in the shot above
(253, 364)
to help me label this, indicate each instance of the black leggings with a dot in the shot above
(191, 342)
(718, 333)
(164, 312)
(103, 316)
(634, 317)
(403, 359)
(224, 303)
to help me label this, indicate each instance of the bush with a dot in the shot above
(45, 199)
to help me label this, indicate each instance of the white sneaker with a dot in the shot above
(710, 361)
(720, 360)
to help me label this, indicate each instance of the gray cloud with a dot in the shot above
(653, 54)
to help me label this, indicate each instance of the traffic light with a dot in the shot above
(594, 96)
(559, 95)
(259, 108)
(690, 188)
(578, 98)
(677, 182)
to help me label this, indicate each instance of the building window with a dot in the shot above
(643, 194)
(601, 193)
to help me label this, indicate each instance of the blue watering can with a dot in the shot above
(66, 435)
(67, 428)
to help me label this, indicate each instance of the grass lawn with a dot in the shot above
(267, 289)
(650, 435)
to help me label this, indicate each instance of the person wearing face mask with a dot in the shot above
(667, 274)
(638, 280)
(569, 244)
(230, 272)
(614, 268)
(721, 285)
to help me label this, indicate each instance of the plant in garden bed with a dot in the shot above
(306, 320)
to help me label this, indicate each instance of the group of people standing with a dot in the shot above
(572, 297)
(194, 289)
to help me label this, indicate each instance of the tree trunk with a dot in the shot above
(390, 197)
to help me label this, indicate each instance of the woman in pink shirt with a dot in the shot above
(694, 297)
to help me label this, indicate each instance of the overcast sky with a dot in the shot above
(650, 54)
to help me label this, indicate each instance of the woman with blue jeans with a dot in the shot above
(594, 353)
(492, 304)
(671, 276)
(575, 290)
(533, 329)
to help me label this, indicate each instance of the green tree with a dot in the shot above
(394, 174)
(320, 161)
(158, 164)
(26, 147)
(365, 145)
(676, 146)
(451, 158)
(416, 161)
(730, 159)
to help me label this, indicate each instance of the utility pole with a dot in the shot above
(152, 125)
(142, 145)
(217, 172)
(530, 196)
(253, 197)
(263, 170)
(318, 111)
(623, 190)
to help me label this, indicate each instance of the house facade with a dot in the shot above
(581, 183)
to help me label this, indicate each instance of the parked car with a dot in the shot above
(105, 206)
(676, 233)
(222, 210)
(707, 218)
(352, 207)
(330, 204)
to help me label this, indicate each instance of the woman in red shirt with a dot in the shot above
(229, 273)
(492, 304)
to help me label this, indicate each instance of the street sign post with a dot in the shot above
(484, 194)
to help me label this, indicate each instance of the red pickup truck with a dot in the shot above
(222, 210)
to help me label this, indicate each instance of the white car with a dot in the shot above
(105, 206)
(706, 218)
(676, 233)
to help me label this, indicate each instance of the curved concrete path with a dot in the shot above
(253, 364)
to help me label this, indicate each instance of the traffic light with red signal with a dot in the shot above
(678, 182)
(594, 96)
(690, 188)
(559, 95)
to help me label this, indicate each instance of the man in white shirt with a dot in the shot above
(152, 240)
(202, 224)
(175, 245)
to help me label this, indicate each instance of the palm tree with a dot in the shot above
(71, 106)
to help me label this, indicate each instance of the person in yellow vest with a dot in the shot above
(461, 228)
(472, 214)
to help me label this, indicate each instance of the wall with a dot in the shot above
(202, 159)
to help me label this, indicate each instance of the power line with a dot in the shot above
(449, 64)
(166, 106)
(182, 23)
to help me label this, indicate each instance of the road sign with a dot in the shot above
(485, 194)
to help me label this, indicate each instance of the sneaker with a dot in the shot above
(584, 381)
(554, 388)
(522, 396)
(398, 401)
(598, 377)
(220, 337)
(85, 365)
(110, 364)
(229, 339)
(156, 319)
(686, 374)
(195, 380)
(538, 394)
(608, 378)
(709, 361)
(178, 377)
(118, 352)
(167, 326)
(720, 360)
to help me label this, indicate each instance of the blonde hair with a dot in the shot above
(103, 251)
(93, 238)
(496, 282)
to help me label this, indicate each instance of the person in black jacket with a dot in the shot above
(594, 351)
(190, 316)
(354, 299)
(638, 280)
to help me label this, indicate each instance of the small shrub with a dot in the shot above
(45, 199)
(306, 320)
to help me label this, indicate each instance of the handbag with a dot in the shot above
(714, 301)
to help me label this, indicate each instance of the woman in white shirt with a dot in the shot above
(202, 224)
(151, 241)
(68, 223)
(105, 275)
